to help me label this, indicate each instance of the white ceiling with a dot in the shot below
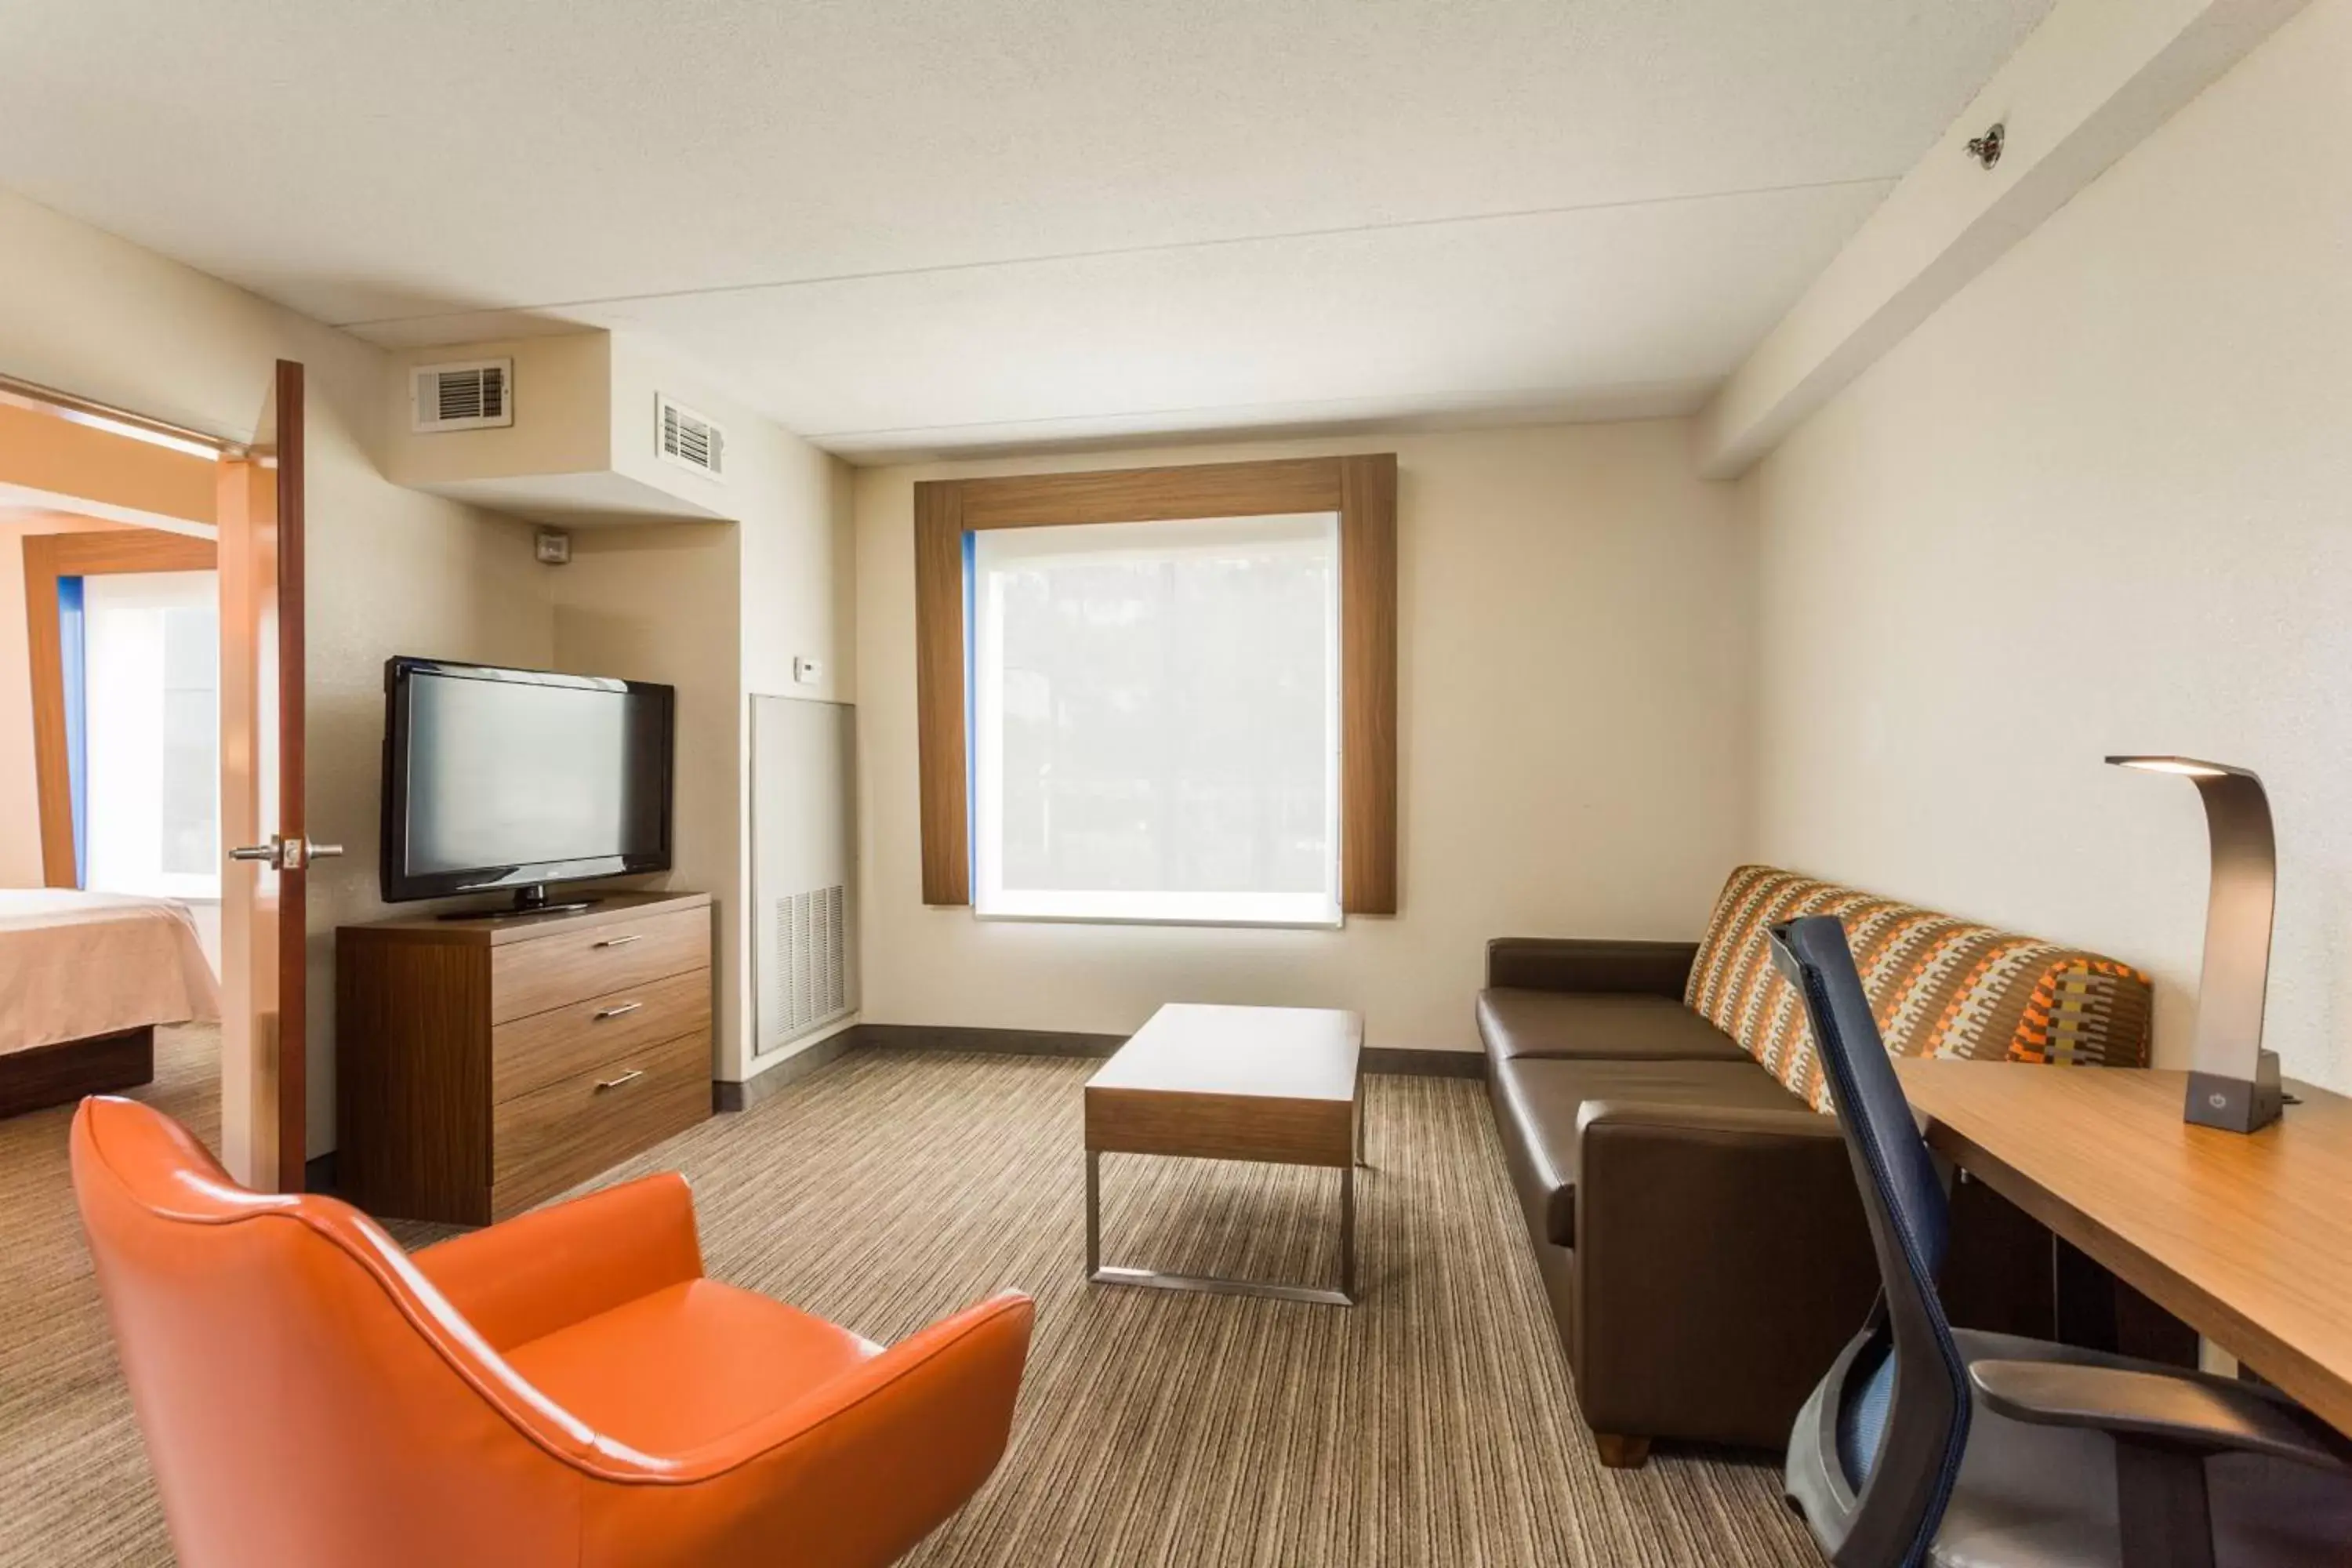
(902, 226)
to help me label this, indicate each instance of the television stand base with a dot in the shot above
(529, 901)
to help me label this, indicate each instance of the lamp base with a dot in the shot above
(2234, 1104)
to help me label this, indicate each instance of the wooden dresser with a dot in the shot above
(483, 1065)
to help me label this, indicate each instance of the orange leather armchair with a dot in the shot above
(564, 1388)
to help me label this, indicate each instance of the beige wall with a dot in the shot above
(1574, 635)
(740, 602)
(2102, 501)
(658, 602)
(391, 571)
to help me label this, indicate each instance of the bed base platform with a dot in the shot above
(63, 1073)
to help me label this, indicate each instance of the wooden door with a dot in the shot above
(264, 1080)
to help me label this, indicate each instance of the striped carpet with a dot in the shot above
(1428, 1426)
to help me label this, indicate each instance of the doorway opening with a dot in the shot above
(149, 738)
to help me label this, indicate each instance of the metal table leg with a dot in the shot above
(1149, 1279)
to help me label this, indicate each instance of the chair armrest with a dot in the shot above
(858, 1471)
(1560, 963)
(551, 1269)
(1722, 1261)
(2208, 1414)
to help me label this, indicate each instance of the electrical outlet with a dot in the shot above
(807, 672)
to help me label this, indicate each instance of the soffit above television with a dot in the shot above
(584, 433)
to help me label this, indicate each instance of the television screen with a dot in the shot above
(509, 777)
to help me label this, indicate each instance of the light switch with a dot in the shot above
(807, 672)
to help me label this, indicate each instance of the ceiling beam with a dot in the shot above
(74, 467)
(2085, 88)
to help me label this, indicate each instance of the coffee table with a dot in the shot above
(1278, 1085)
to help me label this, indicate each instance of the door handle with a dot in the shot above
(285, 854)
(629, 1076)
(623, 1010)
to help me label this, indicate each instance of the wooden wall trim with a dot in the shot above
(1361, 489)
(939, 692)
(52, 766)
(103, 551)
(1153, 495)
(47, 557)
(1367, 685)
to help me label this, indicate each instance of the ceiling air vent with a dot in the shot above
(474, 396)
(688, 439)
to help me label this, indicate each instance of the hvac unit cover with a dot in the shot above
(812, 961)
(478, 395)
(689, 441)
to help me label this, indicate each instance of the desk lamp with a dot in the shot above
(2233, 1083)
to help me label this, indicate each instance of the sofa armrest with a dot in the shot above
(1566, 964)
(1722, 1261)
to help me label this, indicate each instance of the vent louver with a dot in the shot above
(812, 962)
(691, 441)
(476, 395)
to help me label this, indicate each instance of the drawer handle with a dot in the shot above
(627, 1078)
(624, 1007)
(621, 941)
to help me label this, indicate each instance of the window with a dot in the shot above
(1156, 721)
(1164, 694)
(150, 724)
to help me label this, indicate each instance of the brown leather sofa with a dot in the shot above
(1695, 1221)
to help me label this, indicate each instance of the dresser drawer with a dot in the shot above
(546, 972)
(531, 1053)
(551, 1137)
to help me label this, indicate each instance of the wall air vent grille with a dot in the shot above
(811, 973)
(691, 441)
(476, 395)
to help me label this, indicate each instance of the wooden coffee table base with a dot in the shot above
(1273, 1085)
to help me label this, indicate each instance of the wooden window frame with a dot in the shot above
(47, 557)
(1361, 489)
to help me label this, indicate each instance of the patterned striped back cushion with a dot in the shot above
(1937, 986)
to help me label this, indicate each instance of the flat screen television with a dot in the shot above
(519, 778)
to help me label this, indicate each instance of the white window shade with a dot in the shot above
(151, 716)
(1156, 721)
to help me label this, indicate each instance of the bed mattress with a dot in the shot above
(74, 964)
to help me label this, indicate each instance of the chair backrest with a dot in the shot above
(1903, 1407)
(305, 1394)
(1937, 985)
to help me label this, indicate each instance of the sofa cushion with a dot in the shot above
(1514, 1024)
(1536, 1100)
(1937, 985)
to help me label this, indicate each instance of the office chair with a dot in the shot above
(564, 1389)
(1927, 1444)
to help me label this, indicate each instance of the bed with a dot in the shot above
(84, 980)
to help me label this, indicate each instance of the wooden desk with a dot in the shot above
(2246, 1238)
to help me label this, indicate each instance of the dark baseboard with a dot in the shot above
(1013, 1042)
(1412, 1061)
(318, 1174)
(727, 1096)
(1408, 1060)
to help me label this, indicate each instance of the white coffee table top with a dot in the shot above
(1279, 1053)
